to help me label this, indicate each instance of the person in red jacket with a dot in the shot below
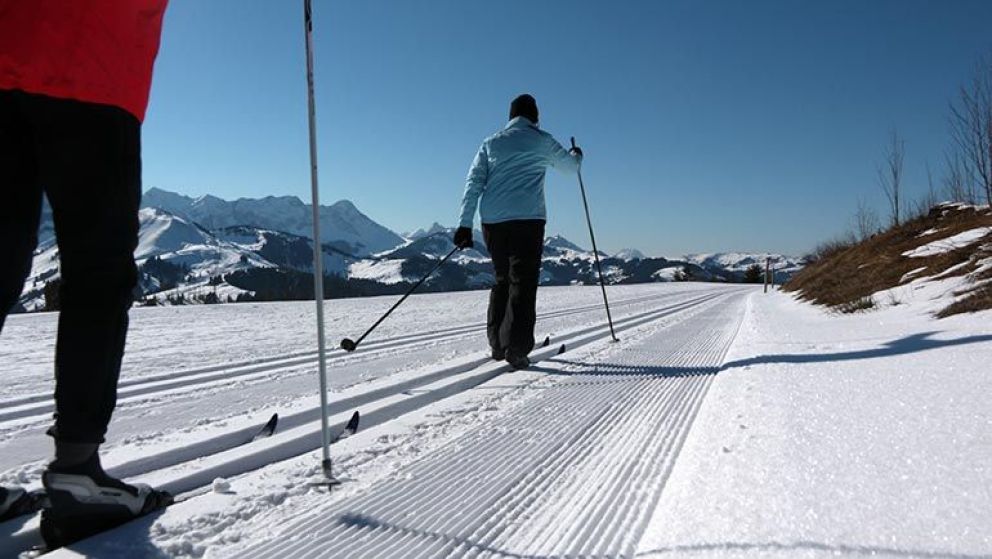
(74, 84)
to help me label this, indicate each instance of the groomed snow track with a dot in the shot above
(190, 469)
(40, 406)
(575, 472)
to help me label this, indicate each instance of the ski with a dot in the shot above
(267, 430)
(29, 502)
(350, 429)
(38, 498)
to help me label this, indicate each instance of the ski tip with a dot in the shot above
(561, 349)
(268, 429)
(353, 422)
(348, 344)
(547, 342)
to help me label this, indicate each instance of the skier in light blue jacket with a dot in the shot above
(506, 184)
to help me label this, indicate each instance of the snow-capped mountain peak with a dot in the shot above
(434, 229)
(340, 223)
(560, 242)
(629, 254)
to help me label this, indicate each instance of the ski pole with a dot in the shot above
(318, 264)
(595, 251)
(348, 345)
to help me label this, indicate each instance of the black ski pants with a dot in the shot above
(87, 159)
(516, 248)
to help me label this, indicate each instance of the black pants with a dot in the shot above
(516, 248)
(87, 159)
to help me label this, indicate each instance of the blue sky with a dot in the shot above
(707, 126)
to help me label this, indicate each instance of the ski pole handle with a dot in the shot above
(573, 142)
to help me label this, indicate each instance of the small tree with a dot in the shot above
(957, 186)
(929, 198)
(971, 126)
(753, 274)
(866, 221)
(890, 174)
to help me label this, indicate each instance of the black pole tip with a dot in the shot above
(348, 345)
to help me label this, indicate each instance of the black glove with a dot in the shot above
(576, 150)
(463, 237)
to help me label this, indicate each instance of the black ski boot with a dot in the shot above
(84, 500)
(15, 501)
(498, 354)
(517, 362)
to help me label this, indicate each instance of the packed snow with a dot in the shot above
(940, 246)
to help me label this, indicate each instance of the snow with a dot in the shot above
(727, 422)
(221, 485)
(666, 274)
(948, 244)
(845, 435)
(629, 254)
(385, 271)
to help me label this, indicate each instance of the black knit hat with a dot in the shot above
(525, 106)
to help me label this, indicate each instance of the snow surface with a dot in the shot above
(826, 435)
(385, 271)
(726, 422)
(940, 246)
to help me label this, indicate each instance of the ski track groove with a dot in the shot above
(672, 312)
(130, 390)
(389, 497)
(529, 497)
(545, 458)
(227, 440)
(582, 481)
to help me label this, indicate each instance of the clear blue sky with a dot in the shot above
(707, 126)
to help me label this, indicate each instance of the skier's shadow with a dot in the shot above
(914, 343)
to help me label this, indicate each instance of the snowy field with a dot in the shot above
(726, 422)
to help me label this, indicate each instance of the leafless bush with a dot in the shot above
(890, 174)
(971, 126)
(866, 221)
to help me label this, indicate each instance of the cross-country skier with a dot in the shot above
(508, 176)
(74, 84)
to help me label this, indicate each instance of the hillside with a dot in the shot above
(949, 250)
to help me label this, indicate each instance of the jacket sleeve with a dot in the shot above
(475, 183)
(560, 158)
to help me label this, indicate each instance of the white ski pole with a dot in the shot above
(595, 252)
(318, 261)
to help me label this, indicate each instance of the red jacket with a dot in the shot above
(98, 51)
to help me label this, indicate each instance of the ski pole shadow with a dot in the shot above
(915, 343)
(804, 546)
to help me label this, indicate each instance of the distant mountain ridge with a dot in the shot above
(340, 223)
(206, 249)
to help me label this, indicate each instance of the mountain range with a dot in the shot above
(206, 249)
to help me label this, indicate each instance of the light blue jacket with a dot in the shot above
(508, 174)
